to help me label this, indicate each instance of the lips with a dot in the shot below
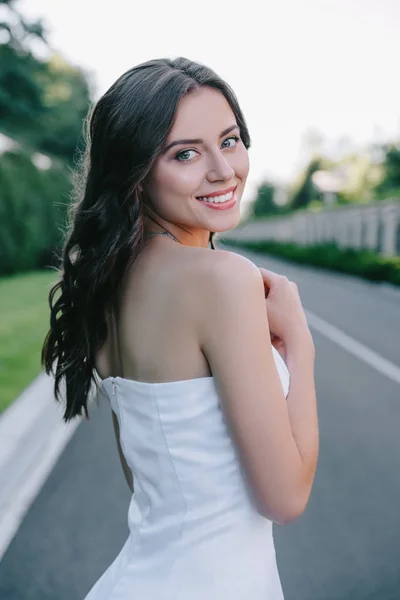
(220, 205)
(219, 193)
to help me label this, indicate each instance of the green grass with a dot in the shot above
(24, 322)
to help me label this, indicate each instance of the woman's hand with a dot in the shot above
(286, 317)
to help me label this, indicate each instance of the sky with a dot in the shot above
(296, 66)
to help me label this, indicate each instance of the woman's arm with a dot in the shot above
(276, 436)
(124, 464)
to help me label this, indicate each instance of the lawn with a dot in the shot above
(24, 322)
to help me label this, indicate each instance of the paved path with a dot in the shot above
(346, 546)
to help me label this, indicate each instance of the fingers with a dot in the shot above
(267, 275)
(271, 277)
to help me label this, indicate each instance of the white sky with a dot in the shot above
(295, 65)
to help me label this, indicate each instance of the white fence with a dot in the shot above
(374, 226)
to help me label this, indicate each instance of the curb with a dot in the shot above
(32, 437)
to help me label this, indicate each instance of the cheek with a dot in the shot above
(182, 179)
(241, 163)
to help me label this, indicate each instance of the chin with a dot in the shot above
(230, 223)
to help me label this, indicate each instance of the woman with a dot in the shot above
(218, 445)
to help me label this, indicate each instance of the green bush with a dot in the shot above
(33, 205)
(363, 263)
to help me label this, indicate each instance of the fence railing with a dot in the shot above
(374, 226)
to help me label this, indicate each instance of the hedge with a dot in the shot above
(363, 263)
(33, 208)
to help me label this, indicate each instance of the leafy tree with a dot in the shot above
(42, 103)
(306, 192)
(66, 96)
(361, 175)
(20, 92)
(265, 202)
(42, 106)
(390, 182)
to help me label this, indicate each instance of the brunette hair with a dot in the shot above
(126, 132)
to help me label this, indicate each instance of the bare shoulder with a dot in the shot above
(211, 277)
(223, 266)
(227, 286)
(225, 273)
(227, 257)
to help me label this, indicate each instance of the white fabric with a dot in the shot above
(195, 533)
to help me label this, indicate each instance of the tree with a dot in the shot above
(306, 192)
(42, 103)
(265, 204)
(42, 106)
(390, 182)
(20, 92)
(361, 175)
(66, 97)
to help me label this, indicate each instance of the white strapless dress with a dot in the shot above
(194, 531)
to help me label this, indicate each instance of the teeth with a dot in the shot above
(217, 199)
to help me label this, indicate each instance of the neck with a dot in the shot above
(166, 233)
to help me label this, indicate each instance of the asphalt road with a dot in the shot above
(346, 545)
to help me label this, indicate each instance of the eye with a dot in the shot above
(232, 137)
(184, 155)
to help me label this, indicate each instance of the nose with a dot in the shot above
(220, 169)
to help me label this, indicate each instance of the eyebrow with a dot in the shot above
(198, 140)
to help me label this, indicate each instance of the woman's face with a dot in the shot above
(203, 156)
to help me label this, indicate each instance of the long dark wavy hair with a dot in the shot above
(125, 134)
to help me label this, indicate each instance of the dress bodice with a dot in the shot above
(195, 532)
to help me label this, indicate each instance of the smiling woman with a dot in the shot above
(194, 174)
(165, 137)
(176, 333)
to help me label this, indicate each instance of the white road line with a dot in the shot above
(380, 364)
